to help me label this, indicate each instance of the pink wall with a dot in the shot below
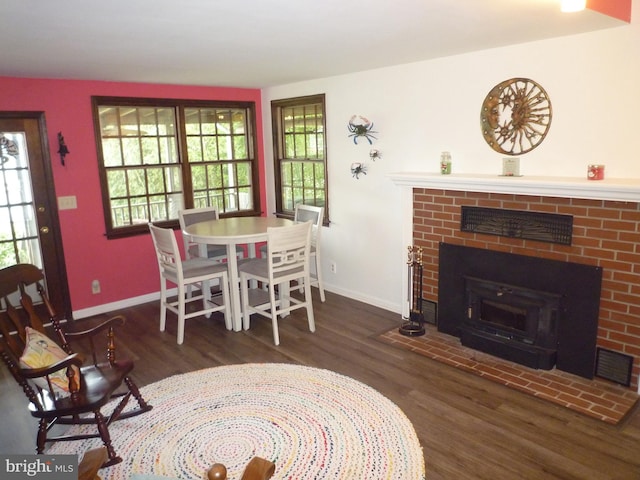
(620, 9)
(125, 267)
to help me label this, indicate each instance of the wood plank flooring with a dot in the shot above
(469, 427)
(598, 398)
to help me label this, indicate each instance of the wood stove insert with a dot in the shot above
(518, 323)
(533, 311)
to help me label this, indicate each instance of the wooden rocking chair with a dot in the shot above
(61, 387)
(257, 469)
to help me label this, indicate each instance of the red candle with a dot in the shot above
(595, 172)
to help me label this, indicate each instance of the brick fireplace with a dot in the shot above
(606, 233)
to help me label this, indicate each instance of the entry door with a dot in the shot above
(29, 226)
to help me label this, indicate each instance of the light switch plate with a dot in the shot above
(67, 203)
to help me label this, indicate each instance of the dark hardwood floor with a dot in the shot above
(469, 427)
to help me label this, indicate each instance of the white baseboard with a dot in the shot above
(392, 307)
(111, 307)
(150, 297)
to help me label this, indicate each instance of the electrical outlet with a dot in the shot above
(95, 287)
(334, 267)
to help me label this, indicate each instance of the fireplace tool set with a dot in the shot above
(414, 327)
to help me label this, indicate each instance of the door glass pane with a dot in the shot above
(19, 241)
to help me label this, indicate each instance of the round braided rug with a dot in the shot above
(312, 423)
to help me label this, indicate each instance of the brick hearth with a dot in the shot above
(596, 398)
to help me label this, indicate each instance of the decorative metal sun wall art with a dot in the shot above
(515, 116)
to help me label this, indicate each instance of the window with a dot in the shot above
(160, 156)
(299, 153)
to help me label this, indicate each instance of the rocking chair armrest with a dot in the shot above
(116, 321)
(76, 359)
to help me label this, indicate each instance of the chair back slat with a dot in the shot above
(14, 275)
(196, 215)
(12, 329)
(192, 249)
(306, 213)
(166, 246)
(27, 304)
(288, 248)
(313, 214)
(169, 260)
(15, 283)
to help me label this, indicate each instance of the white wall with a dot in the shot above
(420, 109)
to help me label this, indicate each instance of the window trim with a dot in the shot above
(278, 147)
(179, 105)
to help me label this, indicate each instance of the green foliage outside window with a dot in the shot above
(147, 176)
(299, 149)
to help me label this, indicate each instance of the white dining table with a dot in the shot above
(231, 232)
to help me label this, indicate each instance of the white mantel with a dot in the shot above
(615, 189)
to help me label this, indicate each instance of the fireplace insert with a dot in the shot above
(530, 310)
(520, 323)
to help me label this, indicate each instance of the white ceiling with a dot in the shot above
(260, 43)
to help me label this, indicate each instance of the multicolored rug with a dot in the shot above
(312, 423)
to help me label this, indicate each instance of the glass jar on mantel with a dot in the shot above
(445, 163)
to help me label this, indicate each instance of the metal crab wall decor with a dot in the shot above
(360, 126)
(358, 169)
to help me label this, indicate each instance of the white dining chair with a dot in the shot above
(192, 249)
(192, 272)
(315, 215)
(287, 260)
(190, 216)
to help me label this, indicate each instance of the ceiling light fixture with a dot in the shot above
(572, 5)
